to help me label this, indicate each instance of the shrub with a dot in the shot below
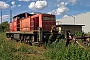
(71, 52)
(78, 33)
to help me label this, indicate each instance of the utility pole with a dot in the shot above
(10, 15)
(1, 20)
(1, 16)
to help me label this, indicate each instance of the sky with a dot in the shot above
(60, 8)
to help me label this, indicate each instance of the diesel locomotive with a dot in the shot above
(32, 28)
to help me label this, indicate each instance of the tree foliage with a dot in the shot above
(4, 26)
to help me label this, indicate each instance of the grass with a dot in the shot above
(11, 50)
(58, 51)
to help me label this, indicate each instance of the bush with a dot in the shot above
(78, 33)
(11, 50)
(71, 52)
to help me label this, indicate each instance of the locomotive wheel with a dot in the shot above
(24, 39)
(31, 40)
(7, 36)
(12, 37)
(21, 40)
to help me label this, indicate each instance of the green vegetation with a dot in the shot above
(4, 26)
(12, 50)
(79, 33)
(58, 51)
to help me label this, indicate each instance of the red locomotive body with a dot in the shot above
(30, 23)
(48, 21)
(30, 27)
(15, 25)
(10, 26)
(25, 24)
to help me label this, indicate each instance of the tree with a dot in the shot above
(4, 26)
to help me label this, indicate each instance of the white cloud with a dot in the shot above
(13, 4)
(38, 5)
(62, 4)
(65, 16)
(19, 5)
(61, 9)
(51, 12)
(3, 5)
(5, 18)
(24, 0)
(73, 1)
